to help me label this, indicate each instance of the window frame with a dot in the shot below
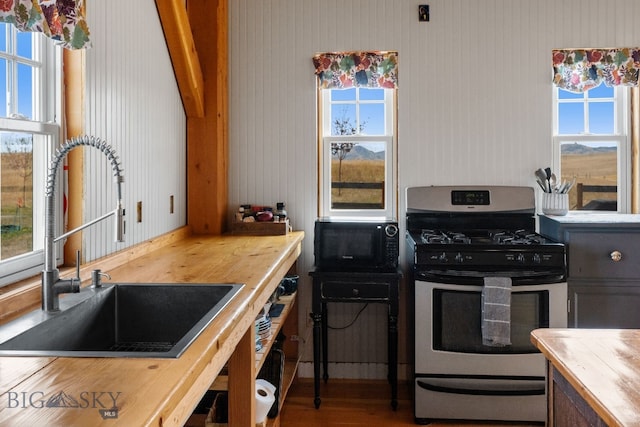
(391, 147)
(46, 129)
(620, 136)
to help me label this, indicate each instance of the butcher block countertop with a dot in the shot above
(160, 392)
(602, 365)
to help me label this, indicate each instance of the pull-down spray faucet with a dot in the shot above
(52, 285)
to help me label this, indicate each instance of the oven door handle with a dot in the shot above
(480, 392)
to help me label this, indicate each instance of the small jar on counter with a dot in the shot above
(280, 212)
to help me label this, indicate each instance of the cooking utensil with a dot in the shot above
(553, 181)
(542, 178)
(547, 172)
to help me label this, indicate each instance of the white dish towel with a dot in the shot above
(496, 311)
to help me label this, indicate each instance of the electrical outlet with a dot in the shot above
(171, 204)
(139, 212)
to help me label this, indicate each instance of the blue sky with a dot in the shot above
(24, 50)
(601, 120)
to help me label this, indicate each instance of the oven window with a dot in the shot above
(457, 321)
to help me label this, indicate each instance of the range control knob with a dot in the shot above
(443, 257)
(537, 259)
(459, 258)
(520, 258)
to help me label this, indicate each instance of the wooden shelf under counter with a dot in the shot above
(287, 322)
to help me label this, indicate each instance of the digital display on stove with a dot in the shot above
(470, 197)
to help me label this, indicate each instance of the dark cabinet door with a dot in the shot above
(592, 254)
(599, 305)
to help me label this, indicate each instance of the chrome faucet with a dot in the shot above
(52, 285)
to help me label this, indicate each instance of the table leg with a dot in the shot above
(317, 320)
(325, 344)
(393, 360)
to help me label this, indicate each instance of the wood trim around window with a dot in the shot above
(635, 150)
(73, 62)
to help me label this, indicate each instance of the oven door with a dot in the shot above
(448, 335)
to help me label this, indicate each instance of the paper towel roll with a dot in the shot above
(265, 396)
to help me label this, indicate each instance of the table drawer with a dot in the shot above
(591, 254)
(337, 290)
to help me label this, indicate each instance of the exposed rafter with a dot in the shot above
(186, 64)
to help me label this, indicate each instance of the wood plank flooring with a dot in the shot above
(356, 403)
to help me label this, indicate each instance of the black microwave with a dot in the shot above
(350, 245)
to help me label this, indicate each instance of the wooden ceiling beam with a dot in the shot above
(186, 64)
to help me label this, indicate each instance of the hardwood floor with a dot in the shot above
(356, 403)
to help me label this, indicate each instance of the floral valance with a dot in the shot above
(60, 20)
(340, 70)
(578, 70)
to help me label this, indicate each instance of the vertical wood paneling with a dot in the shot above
(474, 98)
(132, 102)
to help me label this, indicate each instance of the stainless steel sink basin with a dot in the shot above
(119, 320)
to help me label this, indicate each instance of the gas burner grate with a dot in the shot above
(142, 347)
(444, 237)
(517, 237)
(482, 237)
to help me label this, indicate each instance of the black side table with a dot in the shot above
(357, 287)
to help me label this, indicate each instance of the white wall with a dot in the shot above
(474, 96)
(133, 103)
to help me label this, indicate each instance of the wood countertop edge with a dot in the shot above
(544, 339)
(198, 367)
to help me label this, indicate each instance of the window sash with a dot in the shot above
(45, 139)
(620, 137)
(390, 141)
(46, 92)
(389, 183)
(623, 162)
(388, 103)
(620, 106)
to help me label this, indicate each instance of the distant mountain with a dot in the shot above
(361, 153)
(576, 148)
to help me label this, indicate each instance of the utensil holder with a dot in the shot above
(555, 203)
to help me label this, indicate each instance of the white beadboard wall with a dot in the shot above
(133, 103)
(474, 101)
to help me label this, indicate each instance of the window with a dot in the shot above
(358, 152)
(30, 69)
(592, 148)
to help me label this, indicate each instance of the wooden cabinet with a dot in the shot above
(593, 376)
(567, 407)
(603, 254)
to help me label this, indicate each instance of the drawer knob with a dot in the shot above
(616, 256)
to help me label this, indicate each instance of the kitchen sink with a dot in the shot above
(158, 320)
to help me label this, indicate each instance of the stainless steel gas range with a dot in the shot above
(482, 280)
